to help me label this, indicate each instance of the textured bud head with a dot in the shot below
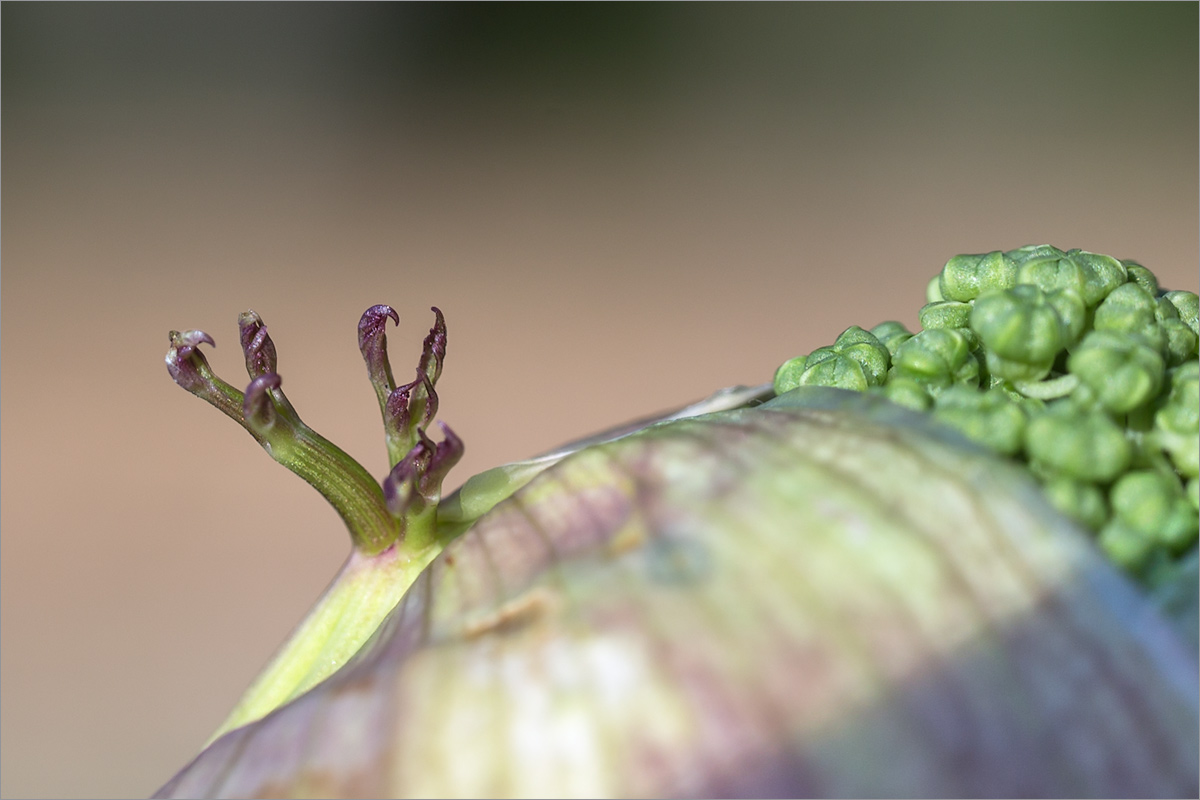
(1034, 251)
(868, 351)
(820, 354)
(1123, 372)
(933, 357)
(1187, 305)
(1130, 310)
(985, 417)
(906, 392)
(1182, 410)
(1180, 343)
(1180, 340)
(946, 314)
(834, 370)
(1049, 273)
(1087, 447)
(1141, 276)
(787, 377)
(1072, 312)
(1177, 422)
(1019, 324)
(965, 277)
(891, 335)
(1101, 275)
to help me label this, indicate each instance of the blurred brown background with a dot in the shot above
(620, 209)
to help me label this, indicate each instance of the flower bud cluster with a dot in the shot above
(1075, 363)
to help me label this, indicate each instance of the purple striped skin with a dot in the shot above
(747, 604)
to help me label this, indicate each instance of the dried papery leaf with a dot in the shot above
(792, 600)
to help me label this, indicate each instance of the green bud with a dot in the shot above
(1181, 343)
(1020, 325)
(1130, 309)
(965, 277)
(1030, 251)
(1124, 373)
(1071, 311)
(1152, 504)
(787, 377)
(891, 334)
(1082, 502)
(933, 291)
(836, 370)
(989, 418)
(937, 358)
(1051, 272)
(1185, 390)
(1164, 310)
(1127, 547)
(945, 314)
(1141, 276)
(819, 355)
(1143, 500)
(1179, 530)
(1193, 493)
(1177, 422)
(1180, 340)
(1009, 370)
(906, 392)
(1187, 305)
(868, 351)
(1088, 447)
(1101, 275)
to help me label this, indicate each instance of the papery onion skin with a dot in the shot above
(823, 596)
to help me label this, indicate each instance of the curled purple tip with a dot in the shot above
(191, 338)
(400, 487)
(258, 406)
(446, 454)
(184, 359)
(411, 401)
(256, 345)
(373, 322)
(433, 352)
(372, 341)
(451, 443)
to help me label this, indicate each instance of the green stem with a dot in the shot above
(1048, 390)
(349, 488)
(365, 590)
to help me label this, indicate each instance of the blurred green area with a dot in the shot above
(1017, 60)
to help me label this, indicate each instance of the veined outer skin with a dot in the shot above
(820, 596)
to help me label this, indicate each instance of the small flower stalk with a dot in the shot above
(377, 516)
(392, 524)
(413, 487)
